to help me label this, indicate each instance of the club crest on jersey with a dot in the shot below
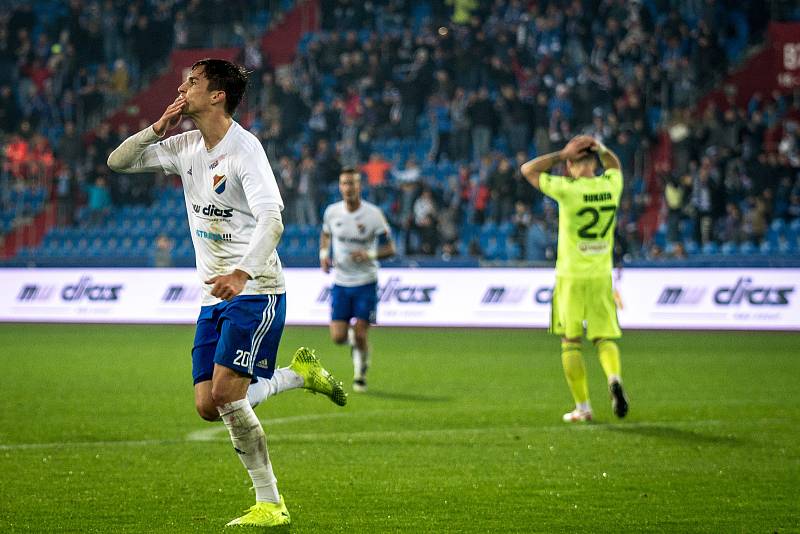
(361, 228)
(219, 183)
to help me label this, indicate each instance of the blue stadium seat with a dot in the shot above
(710, 248)
(730, 248)
(787, 246)
(660, 237)
(747, 248)
(778, 226)
(25, 253)
(686, 229)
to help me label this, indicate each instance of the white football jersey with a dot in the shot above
(222, 186)
(352, 231)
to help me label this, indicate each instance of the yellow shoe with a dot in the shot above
(263, 514)
(315, 377)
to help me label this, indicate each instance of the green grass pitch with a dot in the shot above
(460, 432)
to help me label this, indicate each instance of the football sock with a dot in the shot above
(250, 442)
(282, 380)
(575, 372)
(257, 391)
(360, 362)
(608, 353)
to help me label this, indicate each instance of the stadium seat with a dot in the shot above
(777, 226)
(686, 229)
(660, 237)
(729, 248)
(747, 248)
(710, 248)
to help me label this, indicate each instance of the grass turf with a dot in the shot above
(460, 432)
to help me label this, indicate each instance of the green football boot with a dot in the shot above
(315, 378)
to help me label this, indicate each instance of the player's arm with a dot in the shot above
(386, 247)
(137, 153)
(532, 169)
(384, 250)
(325, 261)
(535, 167)
(607, 156)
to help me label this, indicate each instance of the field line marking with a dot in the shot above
(370, 434)
(104, 443)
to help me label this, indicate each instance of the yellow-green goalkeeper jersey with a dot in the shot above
(587, 209)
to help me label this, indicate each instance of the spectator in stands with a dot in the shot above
(306, 197)
(440, 126)
(70, 147)
(755, 219)
(515, 118)
(163, 255)
(674, 198)
(99, 201)
(701, 202)
(731, 229)
(479, 195)
(65, 196)
(460, 136)
(522, 220)
(9, 109)
(481, 116)
(501, 187)
(16, 156)
(425, 220)
(377, 169)
(410, 174)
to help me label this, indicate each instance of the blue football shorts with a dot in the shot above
(360, 302)
(242, 334)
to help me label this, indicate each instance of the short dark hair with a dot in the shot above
(349, 170)
(225, 76)
(585, 157)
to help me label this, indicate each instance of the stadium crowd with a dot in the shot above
(438, 103)
(66, 65)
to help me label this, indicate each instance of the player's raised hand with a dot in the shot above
(577, 147)
(227, 286)
(171, 116)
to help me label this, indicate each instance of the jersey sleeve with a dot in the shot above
(145, 152)
(258, 181)
(326, 221)
(163, 154)
(381, 224)
(552, 185)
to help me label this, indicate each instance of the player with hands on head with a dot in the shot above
(359, 236)
(234, 210)
(583, 294)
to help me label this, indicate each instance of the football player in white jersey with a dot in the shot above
(234, 209)
(360, 236)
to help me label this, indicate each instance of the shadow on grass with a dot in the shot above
(411, 397)
(677, 434)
